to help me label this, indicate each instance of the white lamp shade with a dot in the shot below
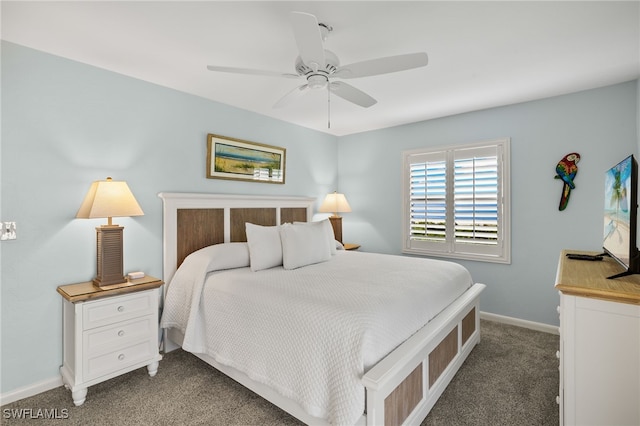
(335, 203)
(109, 198)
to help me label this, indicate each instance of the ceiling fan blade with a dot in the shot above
(291, 96)
(308, 39)
(251, 71)
(351, 94)
(384, 65)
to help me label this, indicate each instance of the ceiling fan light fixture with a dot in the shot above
(317, 81)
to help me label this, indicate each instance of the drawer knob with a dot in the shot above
(121, 357)
(120, 308)
(121, 333)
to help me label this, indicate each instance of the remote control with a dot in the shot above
(583, 256)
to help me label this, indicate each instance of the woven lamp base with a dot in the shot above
(109, 257)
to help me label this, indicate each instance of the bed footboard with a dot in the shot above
(405, 385)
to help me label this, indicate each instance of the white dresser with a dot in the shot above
(108, 332)
(599, 343)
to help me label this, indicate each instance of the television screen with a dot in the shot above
(619, 212)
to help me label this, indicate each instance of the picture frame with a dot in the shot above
(237, 159)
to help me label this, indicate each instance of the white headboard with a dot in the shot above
(194, 220)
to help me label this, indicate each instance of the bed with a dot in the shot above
(363, 355)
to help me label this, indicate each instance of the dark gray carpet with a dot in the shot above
(510, 378)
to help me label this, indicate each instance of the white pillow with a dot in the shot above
(227, 256)
(265, 248)
(304, 245)
(328, 229)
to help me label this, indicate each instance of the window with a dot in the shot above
(456, 201)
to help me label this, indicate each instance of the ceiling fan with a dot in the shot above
(319, 67)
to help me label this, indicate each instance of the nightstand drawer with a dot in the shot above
(119, 308)
(109, 338)
(100, 365)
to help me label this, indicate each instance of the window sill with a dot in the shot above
(461, 256)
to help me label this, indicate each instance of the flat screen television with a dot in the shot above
(621, 215)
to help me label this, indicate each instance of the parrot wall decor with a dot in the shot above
(566, 170)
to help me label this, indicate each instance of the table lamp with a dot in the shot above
(335, 203)
(109, 198)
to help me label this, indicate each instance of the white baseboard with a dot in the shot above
(30, 390)
(538, 326)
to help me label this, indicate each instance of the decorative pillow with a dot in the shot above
(304, 245)
(226, 256)
(265, 248)
(328, 229)
(223, 256)
(212, 258)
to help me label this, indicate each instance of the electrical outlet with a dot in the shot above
(8, 231)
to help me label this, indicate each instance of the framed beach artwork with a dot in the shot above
(229, 158)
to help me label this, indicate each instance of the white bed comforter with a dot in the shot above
(310, 333)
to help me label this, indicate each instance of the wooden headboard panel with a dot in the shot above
(194, 221)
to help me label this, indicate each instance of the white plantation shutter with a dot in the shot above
(428, 197)
(476, 196)
(456, 201)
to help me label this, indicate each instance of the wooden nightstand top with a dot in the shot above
(85, 291)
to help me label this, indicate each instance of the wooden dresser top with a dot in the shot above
(589, 279)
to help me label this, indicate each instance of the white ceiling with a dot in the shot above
(481, 54)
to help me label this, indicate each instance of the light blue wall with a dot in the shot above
(64, 125)
(599, 124)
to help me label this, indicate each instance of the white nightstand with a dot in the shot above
(108, 332)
